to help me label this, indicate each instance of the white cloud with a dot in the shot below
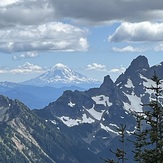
(23, 12)
(127, 49)
(117, 70)
(96, 67)
(138, 32)
(7, 2)
(3, 71)
(83, 43)
(26, 68)
(159, 47)
(25, 55)
(49, 36)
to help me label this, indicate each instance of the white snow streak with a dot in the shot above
(97, 115)
(106, 128)
(102, 99)
(135, 103)
(71, 104)
(129, 84)
(74, 122)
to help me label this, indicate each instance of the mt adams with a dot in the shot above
(60, 76)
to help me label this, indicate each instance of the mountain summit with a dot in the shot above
(138, 64)
(61, 75)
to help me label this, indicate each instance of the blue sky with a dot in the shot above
(93, 37)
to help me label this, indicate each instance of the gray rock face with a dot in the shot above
(24, 137)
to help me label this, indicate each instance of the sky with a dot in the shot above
(93, 37)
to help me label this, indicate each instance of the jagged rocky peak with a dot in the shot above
(4, 107)
(107, 83)
(106, 87)
(9, 109)
(4, 101)
(138, 64)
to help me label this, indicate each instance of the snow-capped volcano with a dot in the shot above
(61, 75)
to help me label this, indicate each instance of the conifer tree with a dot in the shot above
(120, 152)
(154, 119)
(140, 137)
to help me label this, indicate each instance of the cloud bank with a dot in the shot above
(36, 12)
(49, 36)
(27, 68)
(96, 67)
(129, 49)
(113, 10)
(138, 32)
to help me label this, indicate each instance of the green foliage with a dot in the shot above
(153, 147)
(120, 152)
(140, 138)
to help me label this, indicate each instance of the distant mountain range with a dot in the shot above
(40, 91)
(80, 126)
(60, 76)
(34, 97)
